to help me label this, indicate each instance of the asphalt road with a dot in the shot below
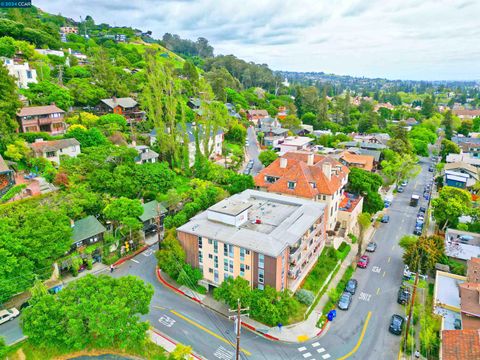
(211, 335)
(253, 151)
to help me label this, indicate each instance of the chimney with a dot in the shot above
(283, 163)
(310, 158)
(327, 170)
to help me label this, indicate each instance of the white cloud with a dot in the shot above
(407, 39)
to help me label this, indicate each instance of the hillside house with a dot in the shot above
(126, 107)
(53, 150)
(49, 119)
(22, 73)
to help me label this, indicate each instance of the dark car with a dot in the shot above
(396, 324)
(351, 286)
(417, 231)
(431, 169)
(385, 219)
(363, 262)
(371, 246)
(345, 301)
(403, 295)
(246, 171)
(422, 209)
(150, 229)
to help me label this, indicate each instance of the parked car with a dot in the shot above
(403, 295)
(371, 246)
(422, 209)
(400, 189)
(345, 301)
(396, 324)
(417, 231)
(363, 262)
(351, 286)
(385, 219)
(246, 171)
(247, 143)
(8, 315)
(404, 183)
(250, 163)
(426, 196)
(387, 204)
(150, 229)
(431, 169)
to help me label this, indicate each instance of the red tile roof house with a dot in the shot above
(307, 175)
(466, 114)
(460, 345)
(255, 115)
(47, 119)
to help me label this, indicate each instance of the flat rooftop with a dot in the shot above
(297, 140)
(282, 221)
(447, 293)
(462, 244)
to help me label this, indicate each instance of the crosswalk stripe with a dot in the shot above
(315, 344)
(303, 348)
(321, 350)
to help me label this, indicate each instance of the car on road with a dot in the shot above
(396, 324)
(247, 143)
(387, 204)
(417, 231)
(351, 286)
(363, 262)
(344, 301)
(403, 295)
(426, 196)
(422, 209)
(371, 246)
(466, 238)
(431, 169)
(250, 163)
(404, 183)
(400, 189)
(246, 171)
(8, 315)
(385, 219)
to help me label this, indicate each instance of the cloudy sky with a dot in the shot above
(396, 39)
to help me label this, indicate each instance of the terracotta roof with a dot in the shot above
(460, 344)
(469, 296)
(463, 112)
(39, 110)
(297, 170)
(53, 145)
(365, 162)
(473, 270)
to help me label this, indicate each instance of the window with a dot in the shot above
(50, 154)
(210, 270)
(247, 252)
(261, 260)
(247, 267)
(200, 242)
(210, 241)
(242, 269)
(29, 74)
(226, 276)
(260, 286)
(215, 246)
(225, 264)
(314, 185)
(230, 266)
(291, 185)
(324, 197)
(225, 250)
(230, 251)
(242, 254)
(260, 276)
(215, 276)
(210, 256)
(200, 257)
(215, 262)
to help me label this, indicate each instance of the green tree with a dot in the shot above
(364, 222)
(236, 133)
(123, 211)
(428, 107)
(267, 157)
(448, 147)
(170, 256)
(86, 137)
(450, 205)
(7, 47)
(291, 122)
(46, 93)
(397, 167)
(9, 105)
(85, 93)
(233, 289)
(448, 124)
(466, 127)
(181, 352)
(18, 150)
(94, 312)
(220, 79)
(423, 253)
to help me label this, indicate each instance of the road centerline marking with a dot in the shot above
(378, 290)
(208, 331)
(384, 274)
(360, 339)
(389, 258)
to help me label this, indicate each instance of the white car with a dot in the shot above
(7, 315)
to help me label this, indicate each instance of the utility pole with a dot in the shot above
(238, 325)
(414, 293)
(159, 235)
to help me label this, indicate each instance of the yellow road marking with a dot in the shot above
(207, 331)
(399, 354)
(359, 342)
(378, 290)
(302, 338)
(389, 258)
(384, 274)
